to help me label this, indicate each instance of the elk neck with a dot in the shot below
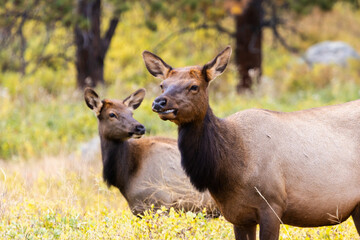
(119, 162)
(204, 147)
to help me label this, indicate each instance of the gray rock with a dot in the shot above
(330, 52)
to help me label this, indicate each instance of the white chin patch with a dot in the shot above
(136, 136)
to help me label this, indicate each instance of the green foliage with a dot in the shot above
(37, 115)
(42, 114)
(188, 11)
(305, 6)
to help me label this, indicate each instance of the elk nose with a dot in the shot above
(158, 104)
(140, 129)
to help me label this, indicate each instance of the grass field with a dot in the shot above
(65, 198)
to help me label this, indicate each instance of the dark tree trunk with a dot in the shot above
(248, 39)
(23, 43)
(90, 47)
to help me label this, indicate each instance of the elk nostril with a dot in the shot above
(159, 103)
(162, 102)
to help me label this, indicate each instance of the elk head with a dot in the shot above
(184, 95)
(115, 117)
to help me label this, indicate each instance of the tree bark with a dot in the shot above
(23, 43)
(248, 38)
(90, 47)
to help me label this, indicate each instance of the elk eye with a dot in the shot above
(112, 115)
(194, 88)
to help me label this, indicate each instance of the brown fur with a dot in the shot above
(146, 171)
(264, 167)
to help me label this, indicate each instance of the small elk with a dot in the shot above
(263, 167)
(146, 171)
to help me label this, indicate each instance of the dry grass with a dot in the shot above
(65, 198)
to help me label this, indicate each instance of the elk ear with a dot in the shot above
(155, 65)
(93, 101)
(217, 66)
(134, 100)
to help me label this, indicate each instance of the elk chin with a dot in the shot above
(137, 136)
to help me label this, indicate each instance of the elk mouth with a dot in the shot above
(166, 114)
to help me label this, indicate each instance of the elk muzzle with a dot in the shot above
(161, 106)
(139, 130)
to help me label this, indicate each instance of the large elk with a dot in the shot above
(263, 167)
(146, 171)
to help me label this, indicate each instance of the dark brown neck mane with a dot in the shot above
(203, 148)
(118, 164)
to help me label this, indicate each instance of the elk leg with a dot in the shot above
(247, 232)
(269, 226)
(356, 218)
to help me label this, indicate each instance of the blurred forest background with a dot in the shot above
(51, 50)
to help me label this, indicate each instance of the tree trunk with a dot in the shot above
(248, 39)
(90, 47)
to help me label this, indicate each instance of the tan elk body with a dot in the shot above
(146, 171)
(263, 167)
